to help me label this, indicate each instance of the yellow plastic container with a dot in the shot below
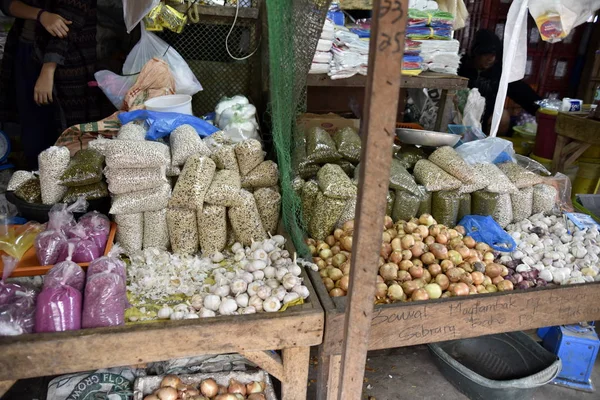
(571, 172)
(521, 145)
(592, 154)
(587, 178)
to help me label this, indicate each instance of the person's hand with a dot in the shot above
(55, 24)
(42, 93)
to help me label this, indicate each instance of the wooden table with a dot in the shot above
(576, 134)
(292, 331)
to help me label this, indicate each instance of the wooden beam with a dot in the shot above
(295, 365)
(432, 80)
(5, 387)
(267, 360)
(383, 86)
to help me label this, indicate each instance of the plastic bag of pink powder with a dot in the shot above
(58, 309)
(107, 264)
(60, 217)
(17, 303)
(84, 250)
(104, 301)
(49, 245)
(65, 273)
(95, 221)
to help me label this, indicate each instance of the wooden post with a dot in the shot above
(381, 105)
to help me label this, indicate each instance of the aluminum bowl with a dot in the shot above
(426, 138)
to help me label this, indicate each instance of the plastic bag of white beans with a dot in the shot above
(212, 228)
(53, 162)
(185, 142)
(183, 230)
(130, 231)
(141, 200)
(193, 183)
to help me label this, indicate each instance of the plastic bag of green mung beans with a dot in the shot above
(400, 178)
(320, 147)
(445, 207)
(348, 144)
(93, 191)
(406, 205)
(390, 199)
(464, 206)
(84, 168)
(334, 182)
(496, 205)
(326, 212)
(425, 204)
(409, 155)
(30, 191)
(308, 196)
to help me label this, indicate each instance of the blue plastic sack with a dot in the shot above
(161, 124)
(485, 229)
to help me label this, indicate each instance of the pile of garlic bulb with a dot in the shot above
(560, 253)
(241, 280)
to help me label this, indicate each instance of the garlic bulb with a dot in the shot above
(301, 290)
(221, 291)
(258, 275)
(263, 292)
(253, 287)
(242, 299)
(280, 273)
(177, 315)
(280, 240)
(271, 304)
(228, 306)
(260, 255)
(217, 257)
(279, 292)
(272, 283)
(269, 272)
(255, 302)
(236, 247)
(191, 316)
(197, 301)
(247, 277)
(165, 312)
(212, 302)
(293, 296)
(238, 286)
(205, 313)
(289, 281)
(295, 270)
(248, 310)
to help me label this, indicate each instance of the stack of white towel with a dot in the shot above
(350, 55)
(322, 58)
(440, 55)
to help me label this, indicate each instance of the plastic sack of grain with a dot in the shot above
(133, 154)
(334, 183)
(433, 177)
(224, 158)
(519, 176)
(132, 131)
(49, 245)
(249, 154)
(245, 220)
(30, 191)
(224, 189)
(348, 214)
(297, 185)
(126, 180)
(464, 206)
(84, 168)
(406, 205)
(18, 178)
(268, 203)
(93, 191)
(141, 201)
(400, 178)
(409, 155)
(496, 205)
(53, 162)
(346, 166)
(348, 143)
(450, 161)
(193, 183)
(320, 147)
(522, 204)
(130, 231)
(445, 207)
(104, 301)
(326, 213)
(307, 199)
(65, 273)
(264, 175)
(185, 141)
(183, 230)
(212, 228)
(390, 199)
(544, 198)
(480, 180)
(425, 203)
(499, 182)
(58, 309)
(156, 233)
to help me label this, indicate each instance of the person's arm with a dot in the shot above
(42, 93)
(76, 11)
(522, 94)
(53, 23)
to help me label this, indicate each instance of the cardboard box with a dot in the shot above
(330, 122)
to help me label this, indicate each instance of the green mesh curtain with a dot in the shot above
(294, 30)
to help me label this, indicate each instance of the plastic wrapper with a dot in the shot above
(161, 124)
(212, 228)
(49, 245)
(265, 174)
(141, 200)
(53, 163)
(301, 166)
(18, 178)
(84, 168)
(132, 131)
(532, 165)
(30, 191)
(425, 203)
(426, 32)
(488, 150)
(445, 207)
(480, 180)
(127, 180)
(434, 178)
(519, 176)
(107, 264)
(130, 231)
(334, 183)
(562, 183)
(400, 178)
(133, 154)
(95, 221)
(450, 161)
(93, 191)
(434, 18)
(60, 216)
(349, 212)
(464, 206)
(224, 189)
(183, 230)
(406, 205)
(346, 166)
(15, 240)
(186, 142)
(522, 204)
(390, 199)
(409, 155)
(307, 198)
(104, 301)
(156, 233)
(496, 205)
(245, 220)
(320, 147)
(326, 211)
(348, 144)
(498, 181)
(485, 229)
(65, 273)
(17, 303)
(58, 309)
(193, 183)
(249, 154)
(80, 250)
(544, 198)
(224, 158)
(268, 203)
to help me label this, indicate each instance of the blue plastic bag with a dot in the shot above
(161, 124)
(485, 229)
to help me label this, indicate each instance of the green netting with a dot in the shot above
(294, 30)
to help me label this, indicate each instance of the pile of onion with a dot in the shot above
(172, 388)
(418, 260)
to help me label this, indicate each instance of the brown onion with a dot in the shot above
(439, 251)
(466, 278)
(504, 286)
(255, 387)
(423, 231)
(434, 269)
(469, 242)
(460, 229)
(497, 280)
(338, 260)
(236, 387)
(167, 393)
(452, 233)
(447, 265)
(325, 254)
(442, 238)
(481, 289)
(395, 257)
(418, 249)
(381, 290)
(454, 275)
(455, 257)
(379, 279)
(344, 282)
(348, 227)
(491, 288)
(395, 292)
(345, 268)
(407, 242)
(335, 274)
(171, 381)
(257, 396)
(410, 227)
(428, 258)
(420, 294)
(488, 257)
(404, 276)
(388, 222)
(311, 242)
(329, 284)
(426, 219)
(416, 271)
(381, 261)
(336, 249)
(337, 292)
(477, 277)
(504, 271)
(330, 240)
(417, 262)
(386, 250)
(493, 270)
(407, 254)
(389, 271)
(409, 287)
(396, 244)
(426, 275)
(338, 233)
(434, 230)
(482, 247)
(466, 266)
(209, 388)
(312, 249)
(346, 243)
(385, 237)
(443, 281)
(405, 265)
(429, 240)
(460, 289)
(324, 273)
(453, 243)
(463, 251)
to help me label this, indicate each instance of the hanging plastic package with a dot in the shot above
(555, 19)
(161, 124)
(151, 46)
(135, 10)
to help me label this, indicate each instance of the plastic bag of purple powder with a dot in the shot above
(104, 301)
(95, 221)
(49, 245)
(58, 309)
(111, 263)
(17, 303)
(65, 273)
(60, 217)
(84, 251)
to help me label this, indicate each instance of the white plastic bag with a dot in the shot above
(227, 102)
(474, 109)
(151, 46)
(557, 18)
(115, 86)
(485, 150)
(135, 10)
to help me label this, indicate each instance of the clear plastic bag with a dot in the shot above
(320, 147)
(115, 86)
(15, 240)
(334, 183)
(519, 176)
(400, 178)
(30, 191)
(268, 203)
(133, 154)
(58, 309)
(496, 205)
(498, 181)
(245, 220)
(326, 211)
(562, 183)
(95, 221)
(224, 189)
(130, 231)
(194, 182)
(224, 158)
(183, 230)
(141, 201)
(185, 142)
(127, 180)
(307, 198)
(53, 162)
(151, 46)
(532, 165)
(107, 264)
(17, 303)
(348, 144)
(406, 206)
(80, 250)
(522, 204)
(480, 180)
(249, 155)
(135, 10)
(464, 206)
(486, 150)
(49, 245)
(60, 216)
(132, 131)
(104, 301)
(156, 233)
(445, 207)
(409, 155)
(18, 178)
(425, 204)
(433, 177)
(228, 102)
(93, 191)
(65, 273)
(265, 174)
(450, 161)
(544, 198)
(212, 228)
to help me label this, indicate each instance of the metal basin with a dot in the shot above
(426, 138)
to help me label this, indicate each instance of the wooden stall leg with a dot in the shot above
(267, 360)
(557, 160)
(329, 376)
(295, 369)
(441, 119)
(5, 386)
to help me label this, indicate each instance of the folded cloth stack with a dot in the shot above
(440, 55)
(430, 24)
(322, 58)
(423, 4)
(350, 55)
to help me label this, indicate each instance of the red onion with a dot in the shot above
(518, 277)
(523, 285)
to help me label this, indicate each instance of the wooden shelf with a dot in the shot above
(221, 11)
(424, 80)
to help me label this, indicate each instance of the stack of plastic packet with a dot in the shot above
(322, 58)
(411, 65)
(430, 24)
(440, 55)
(423, 4)
(350, 55)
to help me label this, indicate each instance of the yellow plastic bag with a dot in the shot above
(15, 240)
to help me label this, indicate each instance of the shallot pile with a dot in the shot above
(172, 388)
